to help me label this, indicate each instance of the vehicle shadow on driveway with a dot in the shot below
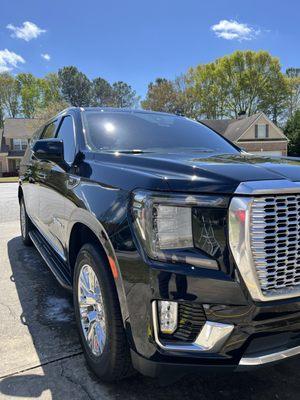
(57, 370)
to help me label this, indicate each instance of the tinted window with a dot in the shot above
(36, 136)
(50, 130)
(138, 130)
(66, 133)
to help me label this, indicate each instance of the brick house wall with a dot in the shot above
(255, 134)
(264, 146)
(276, 140)
(18, 129)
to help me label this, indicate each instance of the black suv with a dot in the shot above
(182, 251)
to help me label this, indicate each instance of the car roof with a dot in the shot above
(113, 109)
(107, 109)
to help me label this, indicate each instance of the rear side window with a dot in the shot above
(66, 133)
(49, 131)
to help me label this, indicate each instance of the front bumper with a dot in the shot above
(263, 332)
(169, 372)
(271, 341)
(261, 359)
(209, 339)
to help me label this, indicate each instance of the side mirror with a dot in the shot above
(49, 149)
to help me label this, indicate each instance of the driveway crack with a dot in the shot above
(74, 382)
(41, 365)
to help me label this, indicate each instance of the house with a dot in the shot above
(14, 139)
(256, 134)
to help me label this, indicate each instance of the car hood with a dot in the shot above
(200, 172)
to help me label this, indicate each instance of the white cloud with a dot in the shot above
(9, 60)
(27, 31)
(46, 56)
(233, 30)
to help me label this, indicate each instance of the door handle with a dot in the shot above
(72, 181)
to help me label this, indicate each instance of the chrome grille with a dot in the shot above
(275, 242)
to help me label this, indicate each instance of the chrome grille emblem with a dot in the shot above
(264, 238)
(275, 241)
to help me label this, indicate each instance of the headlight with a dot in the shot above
(163, 224)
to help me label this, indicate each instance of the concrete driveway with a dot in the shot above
(40, 356)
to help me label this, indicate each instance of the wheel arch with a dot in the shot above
(88, 229)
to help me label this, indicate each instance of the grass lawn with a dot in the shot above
(9, 179)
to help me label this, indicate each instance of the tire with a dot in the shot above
(25, 224)
(108, 357)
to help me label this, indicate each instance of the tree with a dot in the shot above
(293, 75)
(1, 116)
(102, 93)
(185, 103)
(292, 130)
(242, 82)
(161, 96)
(9, 94)
(52, 89)
(30, 92)
(274, 99)
(248, 77)
(207, 91)
(75, 86)
(45, 112)
(123, 95)
(170, 96)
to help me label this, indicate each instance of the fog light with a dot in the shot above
(168, 312)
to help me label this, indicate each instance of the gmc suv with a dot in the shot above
(182, 251)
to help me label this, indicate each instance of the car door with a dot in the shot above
(46, 187)
(29, 179)
(52, 200)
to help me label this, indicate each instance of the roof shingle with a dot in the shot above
(19, 128)
(232, 129)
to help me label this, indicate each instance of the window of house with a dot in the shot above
(19, 144)
(66, 133)
(262, 131)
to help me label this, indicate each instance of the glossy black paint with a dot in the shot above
(95, 191)
(49, 149)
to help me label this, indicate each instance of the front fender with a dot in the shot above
(93, 219)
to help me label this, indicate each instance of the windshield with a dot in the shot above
(142, 131)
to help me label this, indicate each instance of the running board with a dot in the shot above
(57, 266)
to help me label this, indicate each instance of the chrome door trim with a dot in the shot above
(51, 244)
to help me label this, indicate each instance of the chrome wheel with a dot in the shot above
(23, 219)
(91, 310)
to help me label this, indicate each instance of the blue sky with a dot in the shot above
(138, 41)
